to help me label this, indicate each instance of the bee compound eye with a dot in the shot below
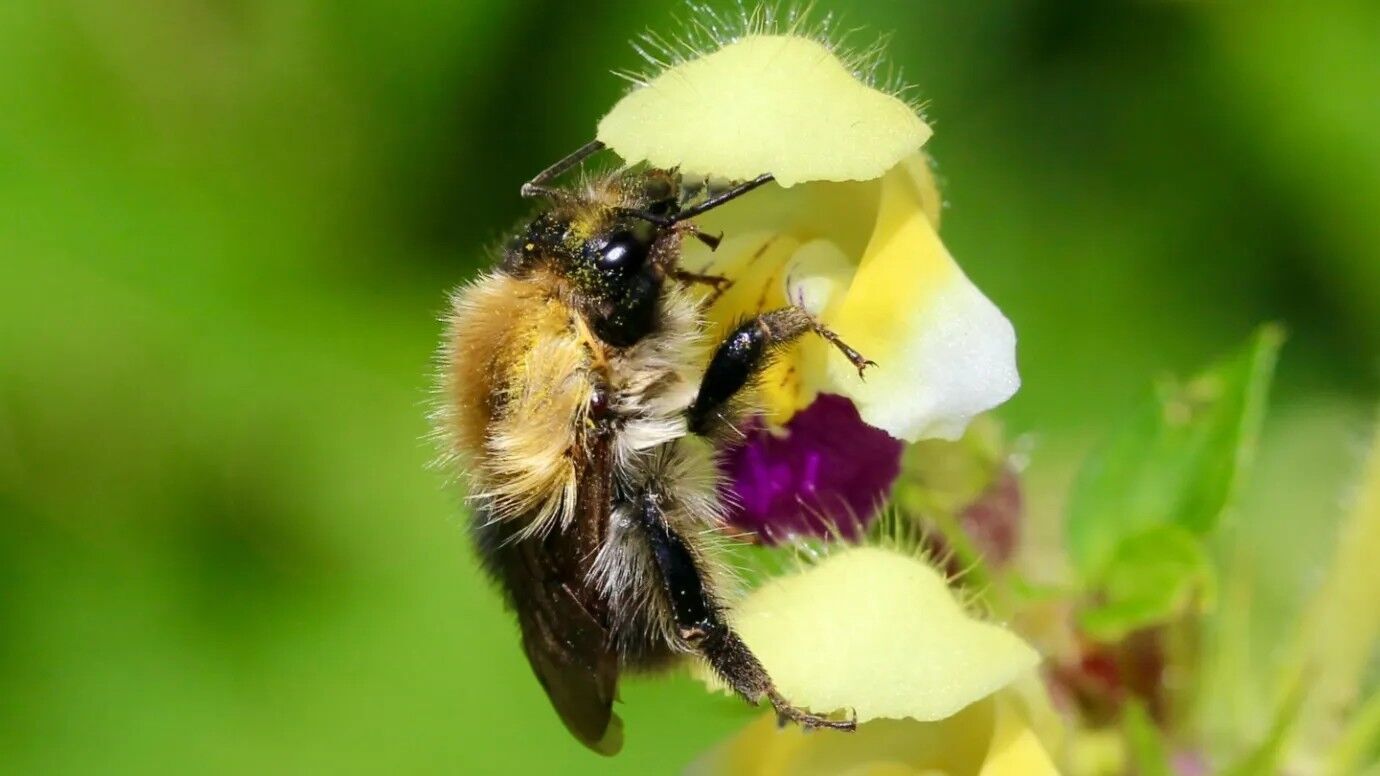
(623, 251)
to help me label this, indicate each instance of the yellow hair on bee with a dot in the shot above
(517, 383)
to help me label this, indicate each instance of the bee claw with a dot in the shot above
(718, 283)
(786, 713)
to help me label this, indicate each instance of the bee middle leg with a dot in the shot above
(747, 351)
(700, 622)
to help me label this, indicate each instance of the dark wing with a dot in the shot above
(564, 631)
(568, 650)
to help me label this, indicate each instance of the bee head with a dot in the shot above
(614, 244)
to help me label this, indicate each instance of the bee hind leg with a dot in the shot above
(701, 625)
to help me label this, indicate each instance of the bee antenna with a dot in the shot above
(722, 198)
(538, 186)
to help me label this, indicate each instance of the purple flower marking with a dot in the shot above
(827, 468)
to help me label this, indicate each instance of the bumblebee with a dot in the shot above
(579, 408)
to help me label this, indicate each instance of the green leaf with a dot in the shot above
(1178, 461)
(1153, 578)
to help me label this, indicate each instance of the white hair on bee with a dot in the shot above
(658, 382)
(705, 30)
(623, 569)
(625, 574)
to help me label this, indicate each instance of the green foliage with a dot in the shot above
(1145, 742)
(1268, 755)
(1143, 503)
(1154, 576)
(1358, 746)
(1335, 648)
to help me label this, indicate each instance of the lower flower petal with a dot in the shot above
(945, 353)
(1015, 750)
(825, 470)
(879, 632)
(989, 738)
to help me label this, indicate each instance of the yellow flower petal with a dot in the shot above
(1015, 749)
(782, 104)
(945, 353)
(878, 632)
(989, 738)
(866, 259)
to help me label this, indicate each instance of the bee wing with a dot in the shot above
(567, 643)
(568, 650)
(563, 633)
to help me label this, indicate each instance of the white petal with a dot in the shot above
(944, 352)
(958, 361)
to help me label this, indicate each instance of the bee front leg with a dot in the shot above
(747, 351)
(718, 283)
(701, 625)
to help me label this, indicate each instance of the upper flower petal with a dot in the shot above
(782, 104)
(879, 632)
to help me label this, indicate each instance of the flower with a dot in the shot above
(848, 231)
(877, 631)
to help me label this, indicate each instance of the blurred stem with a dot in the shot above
(965, 555)
(1341, 623)
(1145, 742)
(1268, 755)
(1227, 696)
(1357, 746)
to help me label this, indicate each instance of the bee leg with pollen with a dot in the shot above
(748, 350)
(700, 623)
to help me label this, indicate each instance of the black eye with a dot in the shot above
(623, 251)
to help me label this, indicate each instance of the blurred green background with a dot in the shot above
(226, 232)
